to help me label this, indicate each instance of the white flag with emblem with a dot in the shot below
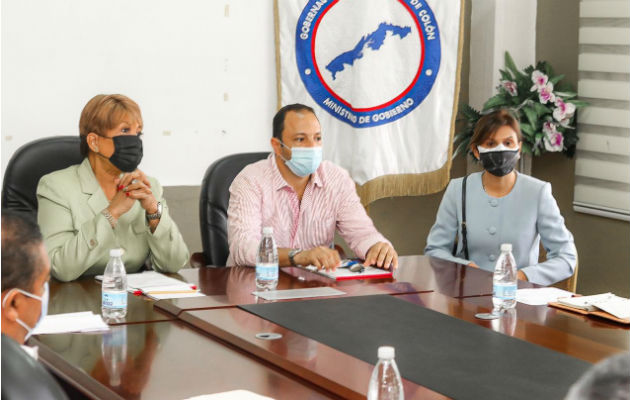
(382, 76)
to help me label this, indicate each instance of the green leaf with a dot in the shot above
(532, 116)
(556, 79)
(527, 129)
(564, 86)
(505, 75)
(541, 109)
(548, 70)
(509, 63)
(461, 149)
(566, 95)
(470, 113)
(526, 149)
(495, 102)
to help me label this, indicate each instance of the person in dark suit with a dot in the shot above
(25, 275)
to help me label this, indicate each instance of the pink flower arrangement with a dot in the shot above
(545, 106)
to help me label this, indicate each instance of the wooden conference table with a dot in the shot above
(187, 347)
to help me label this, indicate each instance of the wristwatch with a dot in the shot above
(157, 214)
(292, 254)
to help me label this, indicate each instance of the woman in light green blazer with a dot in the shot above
(106, 202)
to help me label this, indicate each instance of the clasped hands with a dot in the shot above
(381, 255)
(131, 187)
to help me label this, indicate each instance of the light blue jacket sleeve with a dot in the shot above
(442, 235)
(557, 241)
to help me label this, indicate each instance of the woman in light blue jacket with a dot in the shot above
(503, 206)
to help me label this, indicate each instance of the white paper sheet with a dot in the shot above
(153, 281)
(586, 302)
(343, 273)
(298, 293)
(540, 296)
(615, 305)
(83, 322)
(231, 395)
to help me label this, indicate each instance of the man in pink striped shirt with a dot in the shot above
(304, 199)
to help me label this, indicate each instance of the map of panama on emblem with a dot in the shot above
(368, 62)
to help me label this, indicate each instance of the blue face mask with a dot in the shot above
(44, 304)
(304, 160)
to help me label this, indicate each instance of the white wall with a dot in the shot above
(203, 73)
(498, 26)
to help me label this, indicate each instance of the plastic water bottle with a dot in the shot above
(114, 294)
(267, 261)
(385, 383)
(114, 352)
(504, 280)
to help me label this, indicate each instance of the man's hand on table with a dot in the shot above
(382, 255)
(321, 257)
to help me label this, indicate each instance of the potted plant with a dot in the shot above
(544, 105)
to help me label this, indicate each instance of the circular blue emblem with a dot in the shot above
(374, 73)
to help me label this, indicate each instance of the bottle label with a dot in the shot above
(267, 272)
(114, 300)
(504, 291)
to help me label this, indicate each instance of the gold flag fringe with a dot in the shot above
(404, 185)
(428, 182)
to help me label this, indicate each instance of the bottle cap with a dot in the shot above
(386, 352)
(268, 230)
(116, 252)
(506, 247)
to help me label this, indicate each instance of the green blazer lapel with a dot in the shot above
(89, 185)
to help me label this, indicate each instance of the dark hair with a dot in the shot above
(20, 254)
(490, 123)
(278, 119)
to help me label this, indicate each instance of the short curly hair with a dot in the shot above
(104, 112)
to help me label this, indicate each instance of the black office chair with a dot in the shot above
(32, 161)
(213, 205)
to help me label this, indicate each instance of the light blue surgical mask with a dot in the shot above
(44, 304)
(304, 160)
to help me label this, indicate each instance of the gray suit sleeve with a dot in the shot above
(442, 235)
(557, 241)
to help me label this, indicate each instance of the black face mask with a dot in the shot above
(127, 152)
(499, 163)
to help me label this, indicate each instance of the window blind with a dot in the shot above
(602, 169)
